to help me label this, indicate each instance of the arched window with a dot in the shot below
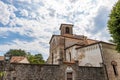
(67, 30)
(70, 56)
(88, 64)
(52, 58)
(114, 65)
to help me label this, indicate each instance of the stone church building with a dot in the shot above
(72, 57)
(88, 52)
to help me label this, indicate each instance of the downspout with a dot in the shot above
(64, 50)
(103, 60)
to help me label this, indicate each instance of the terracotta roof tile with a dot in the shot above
(1, 58)
(65, 62)
(16, 59)
(91, 41)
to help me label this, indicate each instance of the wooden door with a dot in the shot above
(69, 76)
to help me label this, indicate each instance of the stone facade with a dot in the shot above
(109, 55)
(87, 52)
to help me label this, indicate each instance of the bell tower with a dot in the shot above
(66, 29)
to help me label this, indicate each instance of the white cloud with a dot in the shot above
(41, 18)
(34, 46)
(24, 13)
(4, 13)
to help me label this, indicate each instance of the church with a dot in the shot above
(70, 48)
(72, 57)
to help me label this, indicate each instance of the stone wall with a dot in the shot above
(32, 72)
(53, 72)
(110, 54)
(91, 73)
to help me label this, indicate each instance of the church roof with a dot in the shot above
(86, 41)
(90, 42)
(95, 43)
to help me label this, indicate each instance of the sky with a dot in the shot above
(29, 24)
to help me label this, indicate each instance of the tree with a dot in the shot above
(17, 52)
(114, 25)
(2, 73)
(35, 59)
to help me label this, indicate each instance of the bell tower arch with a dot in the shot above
(66, 29)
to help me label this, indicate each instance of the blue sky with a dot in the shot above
(29, 24)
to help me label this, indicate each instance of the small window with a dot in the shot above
(114, 65)
(69, 75)
(67, 30)
(52, 58)
(14, 78)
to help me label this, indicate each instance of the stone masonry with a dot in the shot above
(53, 72)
